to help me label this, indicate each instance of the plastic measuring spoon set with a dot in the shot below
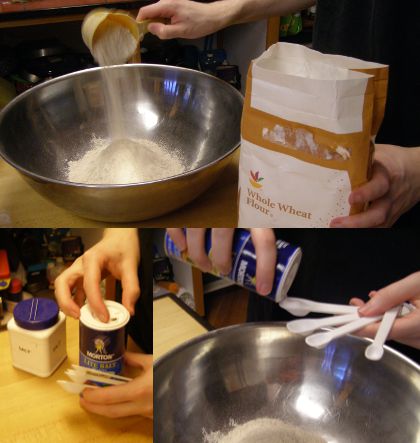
(347, 319)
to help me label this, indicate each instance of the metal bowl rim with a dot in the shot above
(39, 177)
(210, 334)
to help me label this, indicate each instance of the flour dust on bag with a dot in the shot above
(308, 129)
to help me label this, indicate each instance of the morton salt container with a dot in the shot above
(37, 335)
(244, 262)
(102, 345)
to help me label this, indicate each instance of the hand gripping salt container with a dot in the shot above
(37, 335)
(102, 345)
(244, 262)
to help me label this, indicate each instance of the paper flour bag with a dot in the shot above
(307, 129)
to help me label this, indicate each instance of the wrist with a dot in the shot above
(412, 166)
(224, 13)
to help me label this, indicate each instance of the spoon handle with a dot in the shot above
(306, 325)
(84, 370)
(294, 303)
(83, 378)
(375, 350)
(323, 338)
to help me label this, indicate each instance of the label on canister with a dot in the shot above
(102, 345)
(244, 262)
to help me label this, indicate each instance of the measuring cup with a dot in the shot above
(99, 19)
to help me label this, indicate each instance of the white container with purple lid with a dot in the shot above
(37, 335)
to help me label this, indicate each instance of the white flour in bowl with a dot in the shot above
(124, 161)
(120, 160)
(262, 430)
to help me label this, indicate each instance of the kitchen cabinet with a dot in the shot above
(42, 12)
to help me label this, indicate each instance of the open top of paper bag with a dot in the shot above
(325, 91)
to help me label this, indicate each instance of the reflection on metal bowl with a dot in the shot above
(262, 370)
(48, 126)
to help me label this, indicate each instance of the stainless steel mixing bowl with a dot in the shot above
(51, 124)
(262, 370)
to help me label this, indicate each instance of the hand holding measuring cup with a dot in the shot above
(112, 35)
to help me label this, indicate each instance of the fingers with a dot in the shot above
(130, 286)
(159, 9)
(406, 327)
(374, 189)
(265, 248)
(392, 295)
(221, 249)
(91, 284)
(110, 394)
(405, 330)
(138, 360)
(112, 411)
(139, 392)
(79, 295)
(368, 331)
(178, 237)
(357, 302)
(196, 238)
(64, 284)
(165, 32)
(375, 216)
(132, 398)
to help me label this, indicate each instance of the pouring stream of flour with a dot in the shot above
(113, 38)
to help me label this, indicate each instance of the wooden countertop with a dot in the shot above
(172, 326)
(21, 206)
(34, 409)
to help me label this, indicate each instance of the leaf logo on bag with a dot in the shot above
(255, 179)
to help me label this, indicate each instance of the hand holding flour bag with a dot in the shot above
(308, 128)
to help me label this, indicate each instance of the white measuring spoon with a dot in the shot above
(321, 339)
(74, 388)
(308, 325)
(301, 307)
(112, 375)
(375, 350)
(79, 377)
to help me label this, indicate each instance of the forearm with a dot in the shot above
(242, 11)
